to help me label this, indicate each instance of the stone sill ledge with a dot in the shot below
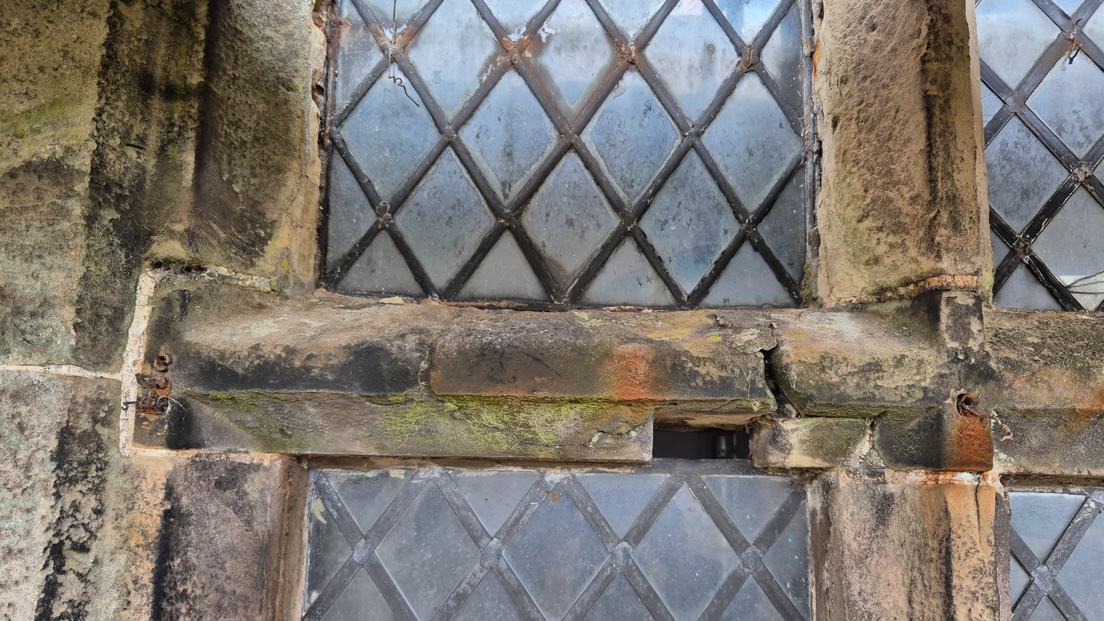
(875, 386)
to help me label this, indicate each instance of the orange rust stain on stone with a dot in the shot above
(1084, 413)
(970, 443)
(632, 374)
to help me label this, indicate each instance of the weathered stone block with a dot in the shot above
(924, 547)
(939, 438)
(809, 442)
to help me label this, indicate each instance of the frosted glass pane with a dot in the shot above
(360, 600)
(784, 226)
(509, 134)
(689, 222)
(750, 500)
(1022, 290)
(350, 213)
(1040, 519)
(569, 218)
(632, 135)
(428, 552)
(747, 16)
(783, 56)
(788, 560)
(513, 15)
(1068, 101)
(631, 16)
(388, 135)
(1046, 611)
(356, 55)
(1018, 579)
(747, 281)
(1069, 6)
(401, 10)
(489, 601)
(751, 604)
(692, 55)
(685, 557)
(627, 278)
(453, 52)
(444, 219)
(1095, 28)
(752, 141)
(367, 495)
(619, 603)
(504, 274)
(1080, 576)
(1012, 34)
(328, 548)
(1071, 245)
(381, 269)
(493, 495)
(556, 537)
(621, 499)
(573, 51)
(1022, 174)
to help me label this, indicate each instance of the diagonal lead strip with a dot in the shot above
(333, 589)
(646, 592)
(332, 500)
(521, 598)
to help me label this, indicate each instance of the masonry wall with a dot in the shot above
(158, 153)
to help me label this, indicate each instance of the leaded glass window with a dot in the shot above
(1057, 560)
(1042, 68)
(676, 539)
(591, 152)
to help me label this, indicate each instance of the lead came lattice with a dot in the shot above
(574, 151)
(673, 540)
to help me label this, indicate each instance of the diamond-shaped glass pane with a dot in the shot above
(389, 135)
(1012, 34)
(747, 281)
(1046, 611)
(784, 226)
(1022, 290)
(692, 56)
(619, 498)
(788, 560)
(783, 56)
(1071, 246)
(1069, 6)
(554, 538)
(569, 218)
(1041, 518)
(1018, 579)
(356, 55)
(1095, 28)
(627, 278)
(1068, 101)
(428, 552)
(504, 274)
(750, 500)
(752, 141)
(689, 222)
(381, 269)
(632, 135)
(489, 601)
(751, 603)
(514, 15)
(329, 550)
(453, 51)
(444, 219)
(493, 495)
(572, 52)
(619, 603)
(747, 16)
(1080, 576)
(1022, 174)
(685, 557)
(631, 16)
(401, 10)
(368, 494)
(350, 213)
(509, 134)
(361, 599)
